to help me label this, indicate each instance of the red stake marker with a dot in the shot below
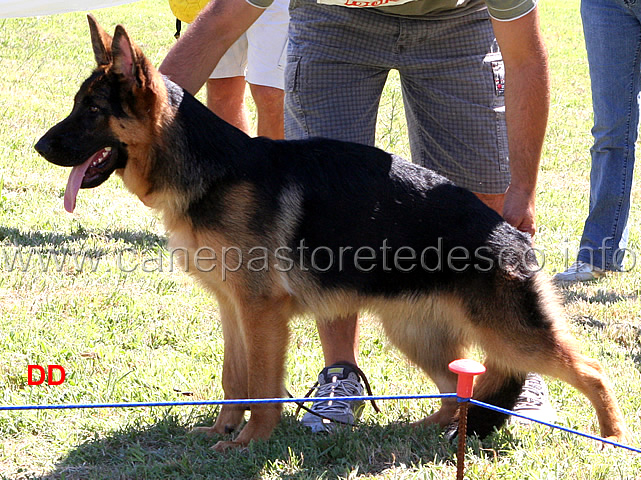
(466, 370)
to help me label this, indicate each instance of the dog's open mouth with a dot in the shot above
(90, 174)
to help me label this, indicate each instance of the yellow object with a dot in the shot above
(187, 10)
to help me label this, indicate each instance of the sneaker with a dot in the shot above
(335, 381)
(534, 401)
(579, 272)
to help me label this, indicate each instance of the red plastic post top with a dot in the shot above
(466, 370)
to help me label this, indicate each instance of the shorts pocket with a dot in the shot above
(496, 70)
(501, 139)
(291, 73)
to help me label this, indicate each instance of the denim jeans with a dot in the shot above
(612, 31)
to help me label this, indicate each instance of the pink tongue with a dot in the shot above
(74, 183)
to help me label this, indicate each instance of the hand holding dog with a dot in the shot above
(519, 210)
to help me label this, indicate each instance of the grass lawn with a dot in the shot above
(95, 293)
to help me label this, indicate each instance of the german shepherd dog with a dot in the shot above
(277, 229)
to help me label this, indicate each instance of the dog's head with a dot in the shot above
(112, 120)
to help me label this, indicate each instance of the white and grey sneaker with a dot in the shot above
(534, 401)
(334, 382)
(579, 272)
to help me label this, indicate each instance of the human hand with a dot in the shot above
(519, 209)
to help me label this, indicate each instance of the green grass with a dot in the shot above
(150, 334)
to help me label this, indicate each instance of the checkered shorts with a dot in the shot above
(451, 75)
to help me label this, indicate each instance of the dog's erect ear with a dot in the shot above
(126, 57)
(100, 41)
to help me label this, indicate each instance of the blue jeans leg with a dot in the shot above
(613, 41)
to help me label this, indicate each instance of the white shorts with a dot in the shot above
(260, 53)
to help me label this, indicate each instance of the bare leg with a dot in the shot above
(339, 339)
(270, 111)
(494, 201)
(226, 98)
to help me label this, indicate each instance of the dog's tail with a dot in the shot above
(500, 390)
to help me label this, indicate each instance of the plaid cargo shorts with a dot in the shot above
(451, 74)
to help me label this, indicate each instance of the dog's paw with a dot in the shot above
(217, 429)
(624, 438)
(225, 446)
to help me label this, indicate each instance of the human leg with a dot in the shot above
(452, 77)
(457, 127)
(340, 340)
(613, 42)
(335, 72)
(226, 98)
(266, 57)
(453, 89)
(333, 89)
(269, 110)
(226, 86)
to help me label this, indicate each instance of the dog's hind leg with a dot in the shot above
(587, 376)
(535, 339)
(428, 334)
(234, 372)
(553, 353)
(263, 325)
(564, 361)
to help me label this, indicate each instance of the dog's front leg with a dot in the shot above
(265, 332)
(234, 372)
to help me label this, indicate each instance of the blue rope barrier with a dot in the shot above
(247, 401)
(252, 401)
(553, 425)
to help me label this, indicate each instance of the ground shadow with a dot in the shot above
(50, 240)
(166, 450)
(600, 296)
(626, 334)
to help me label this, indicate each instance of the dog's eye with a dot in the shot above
(94, 109)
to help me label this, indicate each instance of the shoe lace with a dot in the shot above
(333, 391)
(533, 393)
(345, 387)
(575, 266)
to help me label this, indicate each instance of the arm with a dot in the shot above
(192, 59)
(527, 98)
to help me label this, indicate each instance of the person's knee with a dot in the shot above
(268, 98)
(226, 91)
